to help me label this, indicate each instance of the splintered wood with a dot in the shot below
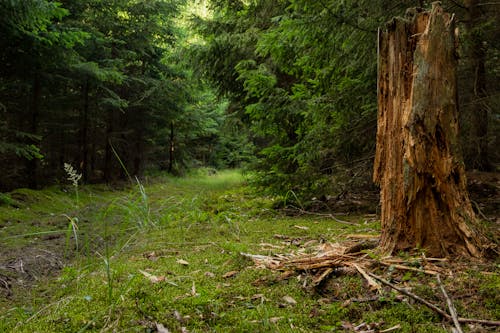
(335, 259)
(319, 266)
(423, 192)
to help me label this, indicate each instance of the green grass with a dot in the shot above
(187, 233)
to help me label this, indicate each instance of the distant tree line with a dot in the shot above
(301, 76)
(103, 85)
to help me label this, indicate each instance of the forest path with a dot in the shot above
(167, 253)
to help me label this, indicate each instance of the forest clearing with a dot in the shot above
(249, 166)
(175, 255)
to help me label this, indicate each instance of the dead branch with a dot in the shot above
(305, 212)
(453, 312)
(407, 268)
(434, 307)
(409, 294)
(317, 280)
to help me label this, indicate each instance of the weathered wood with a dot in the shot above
(424, 200)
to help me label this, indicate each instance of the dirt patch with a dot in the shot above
(22, 268)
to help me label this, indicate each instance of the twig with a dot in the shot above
(480, 211)
(398, 326)
(406, 268)
(453, 312)
(409, 294)
(316, 281)
(432, 306)
(305, 212)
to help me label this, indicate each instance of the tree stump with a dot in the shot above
(418, 165)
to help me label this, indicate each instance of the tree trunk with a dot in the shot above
(479, 111)
(108, 149)
(139, 152)
(36, 93)
(172, 148)
(418, 166)
(84, 126)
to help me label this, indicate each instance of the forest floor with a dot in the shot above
(207, 254)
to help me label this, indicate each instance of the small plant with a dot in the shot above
(71, 229)
(144, 206)
(74, 177)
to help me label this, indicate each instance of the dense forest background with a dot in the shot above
(285, 88)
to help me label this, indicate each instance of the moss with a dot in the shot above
(205, 221)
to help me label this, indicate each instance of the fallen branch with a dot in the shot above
(305, 212)
(453, 312)
(317, 280)
(434, 307)
(407, 268)
(409, 294)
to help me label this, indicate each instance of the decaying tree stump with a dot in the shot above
(418, 164)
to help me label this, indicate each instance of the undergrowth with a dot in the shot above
(166, 252)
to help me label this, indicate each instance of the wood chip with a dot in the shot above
(301, 227)
(289, 300)
(182, 262)
(151, 277)
(397, 327)
(161, 329)
(230, 274)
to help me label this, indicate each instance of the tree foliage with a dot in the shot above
(302, 76)
(97, 84)
(286, 86)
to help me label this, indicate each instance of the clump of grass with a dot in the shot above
(6, 199)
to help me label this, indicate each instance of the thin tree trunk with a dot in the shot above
(172, 148)
(139, 152)
(84, 149)
(108, 151)
(418, 164)
(479, 111)
(36, 93)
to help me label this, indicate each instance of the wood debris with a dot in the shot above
(333, 259)
(230, 274)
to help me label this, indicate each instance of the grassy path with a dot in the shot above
(167, 255)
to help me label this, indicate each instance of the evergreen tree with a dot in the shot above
(302, 76)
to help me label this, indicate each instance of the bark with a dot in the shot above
(418, 166)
